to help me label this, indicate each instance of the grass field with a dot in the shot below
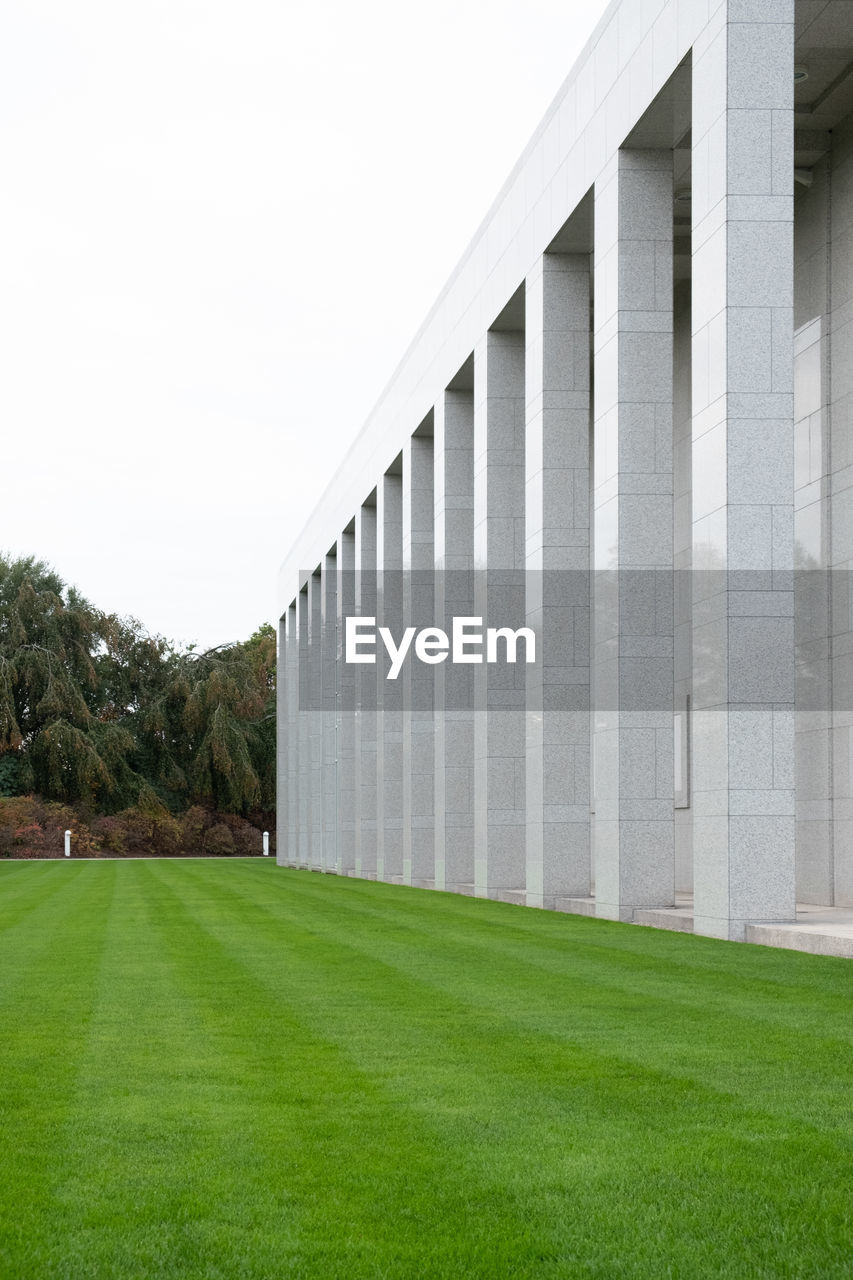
(224, 1069)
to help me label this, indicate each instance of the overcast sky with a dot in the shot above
(221, 224)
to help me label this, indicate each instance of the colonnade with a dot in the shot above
(547, 455)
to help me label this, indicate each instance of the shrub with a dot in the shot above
(219, 842)
(31, 827)
(194, 823)
(111, 834)
(166, 838)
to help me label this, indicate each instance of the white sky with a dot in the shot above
(222, 222)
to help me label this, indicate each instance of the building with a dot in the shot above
(635, 392)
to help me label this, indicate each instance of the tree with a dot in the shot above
(95, 710)
(227, 743)
(49, 636)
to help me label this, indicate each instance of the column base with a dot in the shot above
(579, 906)
(516, 897)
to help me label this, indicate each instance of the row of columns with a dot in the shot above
(547, 783)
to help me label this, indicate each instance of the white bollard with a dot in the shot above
(266, 844)
(68, 844)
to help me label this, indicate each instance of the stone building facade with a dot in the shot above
(635, 393)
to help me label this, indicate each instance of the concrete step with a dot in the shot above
(818, 939)
(515, 897)
(574, 906)
(665, 918)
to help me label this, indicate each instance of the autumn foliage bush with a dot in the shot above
(31, 827)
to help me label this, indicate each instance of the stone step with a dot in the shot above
(665, 918)
(515, 897)
(814, 938)
(574, 906)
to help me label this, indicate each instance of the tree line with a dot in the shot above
(97, 713)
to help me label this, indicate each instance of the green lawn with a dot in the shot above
(225, 1069)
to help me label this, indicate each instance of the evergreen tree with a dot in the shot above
(49, 636)
(94, 710)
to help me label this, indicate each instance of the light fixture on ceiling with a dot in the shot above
(801, 73)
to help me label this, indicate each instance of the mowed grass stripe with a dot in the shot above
(160, 1173)
(423, 1048)
(592, 1017)
(17, 900)
(397, 1210)
(585, 997)
(467, 921)
(286, 1074)
(50, 956)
